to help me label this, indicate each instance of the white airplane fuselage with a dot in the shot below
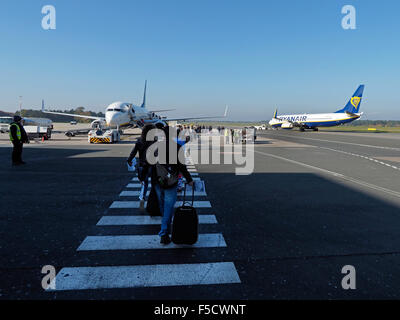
(123, 114)
(313, 120)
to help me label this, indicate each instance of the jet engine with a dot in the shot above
(98, 124)
(287, 125)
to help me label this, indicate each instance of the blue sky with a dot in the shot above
(199, 56)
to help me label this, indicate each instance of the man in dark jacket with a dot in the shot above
(144, 169)
(18, 137)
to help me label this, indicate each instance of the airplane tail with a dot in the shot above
(144, 95)
(353, 106)
(275, 114)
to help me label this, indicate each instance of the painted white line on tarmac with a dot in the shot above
(161, 275)
(137, 179)
(140, 242)
(136, 204)
(349, 143)
(146, 220)
(137, 192)
(335, 174)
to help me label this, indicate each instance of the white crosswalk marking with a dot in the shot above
(146, 220)
(136, 179)
(137, 192)
(207, 240)
(157, 275)
(85, 278)
(136, 204)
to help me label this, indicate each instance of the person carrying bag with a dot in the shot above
(143, 167)
(165, 181)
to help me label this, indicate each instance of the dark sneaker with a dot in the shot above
(141, 208)
(165, 239)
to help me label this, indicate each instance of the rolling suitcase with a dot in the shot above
(185, 223)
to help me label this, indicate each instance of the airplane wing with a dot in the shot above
(165, 110)
(198, 118)
(74, 115)
(71, 115)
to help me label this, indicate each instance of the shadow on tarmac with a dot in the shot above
(289, 234)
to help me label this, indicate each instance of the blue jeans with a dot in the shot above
(166, 201)
(145, 185)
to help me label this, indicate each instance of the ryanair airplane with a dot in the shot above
(312, 121)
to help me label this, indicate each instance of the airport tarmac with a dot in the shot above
(316, 201)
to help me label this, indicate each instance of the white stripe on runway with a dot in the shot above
(136, 193)
(93, 243)
(162, 275)
(136, 204)
(146, 220)
(136, 185)
(136, 179)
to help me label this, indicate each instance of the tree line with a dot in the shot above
(375, 123)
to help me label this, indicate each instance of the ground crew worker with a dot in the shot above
(18, 137)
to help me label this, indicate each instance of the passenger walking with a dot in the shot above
(226, 132)
(143, 168)
(164, 178)
(18, 137)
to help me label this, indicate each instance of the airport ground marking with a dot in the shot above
(114, 277)
(361, 156)
(144, 242)
(335, 174)
(350, 143)
(136, 204)
(146, 220)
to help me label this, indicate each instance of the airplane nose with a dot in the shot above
(110, 118)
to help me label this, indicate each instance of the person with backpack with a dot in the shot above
(143, 167)
(165, 177)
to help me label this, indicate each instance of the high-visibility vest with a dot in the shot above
(18, 132)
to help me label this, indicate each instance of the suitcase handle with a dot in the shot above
(184, 195)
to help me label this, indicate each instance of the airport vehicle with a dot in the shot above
(101, 136)
(34, 127)
(262, 127)
(312, 121)
(5, 124)
(126, 115)
(73, 123)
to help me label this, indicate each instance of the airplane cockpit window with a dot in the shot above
(118, 110)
